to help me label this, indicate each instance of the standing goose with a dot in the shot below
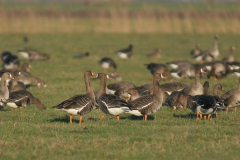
(23, 98)
(125, 53)
(197, 88)
(149, 104)
(80, 104)
(16, 85)
(109, 103)
(4, 92)
(218, 70)
(155, 54)
(107, 63)
(232, 98)
(231, 56)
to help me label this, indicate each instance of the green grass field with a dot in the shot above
(33, 134)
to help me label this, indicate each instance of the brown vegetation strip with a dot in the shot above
(120, 14)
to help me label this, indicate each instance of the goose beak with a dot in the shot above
(108, 77)
(129, 96)
(29, 66)
(223, 90)
(202, 71)
(11, 77)
(39, 85)
(162, 76)
(93, 74)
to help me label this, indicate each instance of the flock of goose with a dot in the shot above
(124, 96)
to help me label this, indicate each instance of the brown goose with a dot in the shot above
(196, 52)
(125, 53)
(4, 92)
(124, 85)
(173, 86)
(179, 99)
(109, 103)
(15, 85)
(218, 70)
(149, 104)
(197, 88)
(24, 68)
(232, 98)
(133, 93)
(115, 76)
(155, 54)
(107, 63)
(231, 56)
(80, 104)
(23, 98)
(32, 55)
(29, 79)
(159, 68)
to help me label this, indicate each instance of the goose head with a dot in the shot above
(6, 76)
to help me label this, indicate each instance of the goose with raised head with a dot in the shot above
(231, 56)
(232, 98)
(179, 99)
(32, 55)
(155, 53)
(197, 51)
(197, 88)
(80, 104)
(148, 104)
(125, 53)
(4, 92)
(23, 98)
(109, 103)
(107, 63)
(15, 84)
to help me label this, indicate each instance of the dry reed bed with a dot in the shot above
(118, 21)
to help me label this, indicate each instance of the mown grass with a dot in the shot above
(33, 134)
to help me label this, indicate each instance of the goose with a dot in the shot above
(107, 62)
(155, 54)
(15, 85)
(185, 70)
(211, 54)
(133, 93)
(9, 60)
(109, 103)
(23, 98)
(124, 85)
(24, 68)
(83, 55)
(206, 104)
(232, 98)
(197, 51)
(159, 68)
(173, 86)
(29, 79)
(176, 64)
(4, 92)
(115, 76)
(197, 88)
(80, 104)
(220, 102)
(148, 104)
(231, 56)
(32, 55)
(218, 70)
(125, 53)
(179, 99)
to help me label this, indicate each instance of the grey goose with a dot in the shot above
(107, 63)
(154, 54)
(4, 92)
(197, 51)
(80, 104)
(125, 53)
(32, 55)
(231, 56)
(15, 84)
(9, 60)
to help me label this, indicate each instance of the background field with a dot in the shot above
(33, 134)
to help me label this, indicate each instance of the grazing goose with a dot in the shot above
(211, 54)
(125, 53)
(29, 79)
(4, 92)
(32, 55)
(206, 104)
(109, 103)
(155, 54)
(220, 102)
(83, 55)
(148, 104)
(115, 76)
(231, 56)
(80, 104)
(15, 85)
(23, 98)
(196, 52)
(197, 88)
(176, 64)
(133, 93)
(9, 61)
(179, 99)
(232, 98)
(185, 70)
(218, 70)
(173, 86)
(24, 68)
(124, 85)
(107, 63)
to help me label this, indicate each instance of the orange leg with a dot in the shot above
(14, 109)
(80, 120)
(126, 99)
(226, 109)
(208, 117)
(102, 117)
(200, 116)
(215, 79)
(145, 117)
(70, 118)
(201, 62)
(216, 115)
(205, 117)
(118, 117)
(197, 115)
(235, 109)
(20, 107)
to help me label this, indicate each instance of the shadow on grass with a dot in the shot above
(187, 116)
(138, 118)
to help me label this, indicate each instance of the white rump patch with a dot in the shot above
(175, 75)
(105, 65)
(24, 54)
(122, 55)
(11, 104)
(198, 58)
(174, 66)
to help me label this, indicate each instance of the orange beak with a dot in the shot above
(93, 74)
